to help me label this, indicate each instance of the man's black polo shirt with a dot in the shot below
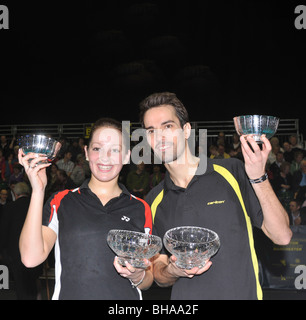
(222, 200)
(84, 262)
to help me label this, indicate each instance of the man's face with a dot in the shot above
(3, 195)
(293, 206)
(164, 133)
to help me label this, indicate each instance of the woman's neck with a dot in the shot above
(105, 191)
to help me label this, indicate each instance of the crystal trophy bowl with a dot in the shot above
(40, 144)
(133, 247)
(256, 125)
(192, 246)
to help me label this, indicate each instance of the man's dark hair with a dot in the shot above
(164, 98)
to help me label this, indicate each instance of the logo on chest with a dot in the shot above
(125, 218)
(215, 202)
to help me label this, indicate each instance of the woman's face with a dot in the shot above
(105, 154)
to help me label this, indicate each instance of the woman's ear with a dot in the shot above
(86, 153)
(187, 130)
(126, 157)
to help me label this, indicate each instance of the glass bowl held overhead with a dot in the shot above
(133, 247)
(40, 144)
(256, 125)
(192, 246)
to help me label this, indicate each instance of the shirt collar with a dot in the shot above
(169, 184)
(122, 187)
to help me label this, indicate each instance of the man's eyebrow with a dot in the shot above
(162, 124)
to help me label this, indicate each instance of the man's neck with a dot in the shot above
(181, 172)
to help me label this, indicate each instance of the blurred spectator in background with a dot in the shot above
(7, 167)
(156, 177)
(78, 174)
(275, 166)
(5, 146)
(137, 181)
(76, 148)
(66, 164)
(296, 163)
(17, 175)
(213, 151)
(62, 182)
(295, 144)
(295, 217)
(3, 200)
(235, 143)
(220, 154)
(288, 152)
(299, 182)
(2, 161)
(282, 185)
(64, 148)
(13, 217)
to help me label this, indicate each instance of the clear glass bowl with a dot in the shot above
(192, 246)
(133, 247)
(39, 144)
(256, 125)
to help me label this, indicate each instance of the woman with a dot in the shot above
(77, 222)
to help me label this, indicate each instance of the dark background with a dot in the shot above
(70, 61)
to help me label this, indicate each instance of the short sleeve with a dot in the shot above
(50, 215)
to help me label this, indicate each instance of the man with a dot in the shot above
(295, 217)
(66, 164)
(220, 198)
(14, 214)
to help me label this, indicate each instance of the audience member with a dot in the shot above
(5, 146)
(296, 163)
(78, 174)
(64, 148)
(13, 218)
(213, 151)
(3, 197)
(295, 144)
(156, 177)
(66, 164)
(137, 181)
(288, 152)
(2, 161)
(221, 154)
(7, 167)
(3, 200)
(76, 148)
(295, 217)
(62, 182)
(282, 185)
(272, 154)
(17, 175)
(235, 143)
(275, 166)
(299, 181)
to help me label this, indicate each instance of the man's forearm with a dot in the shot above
(276, 221)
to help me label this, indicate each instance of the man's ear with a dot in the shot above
(187, 130)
